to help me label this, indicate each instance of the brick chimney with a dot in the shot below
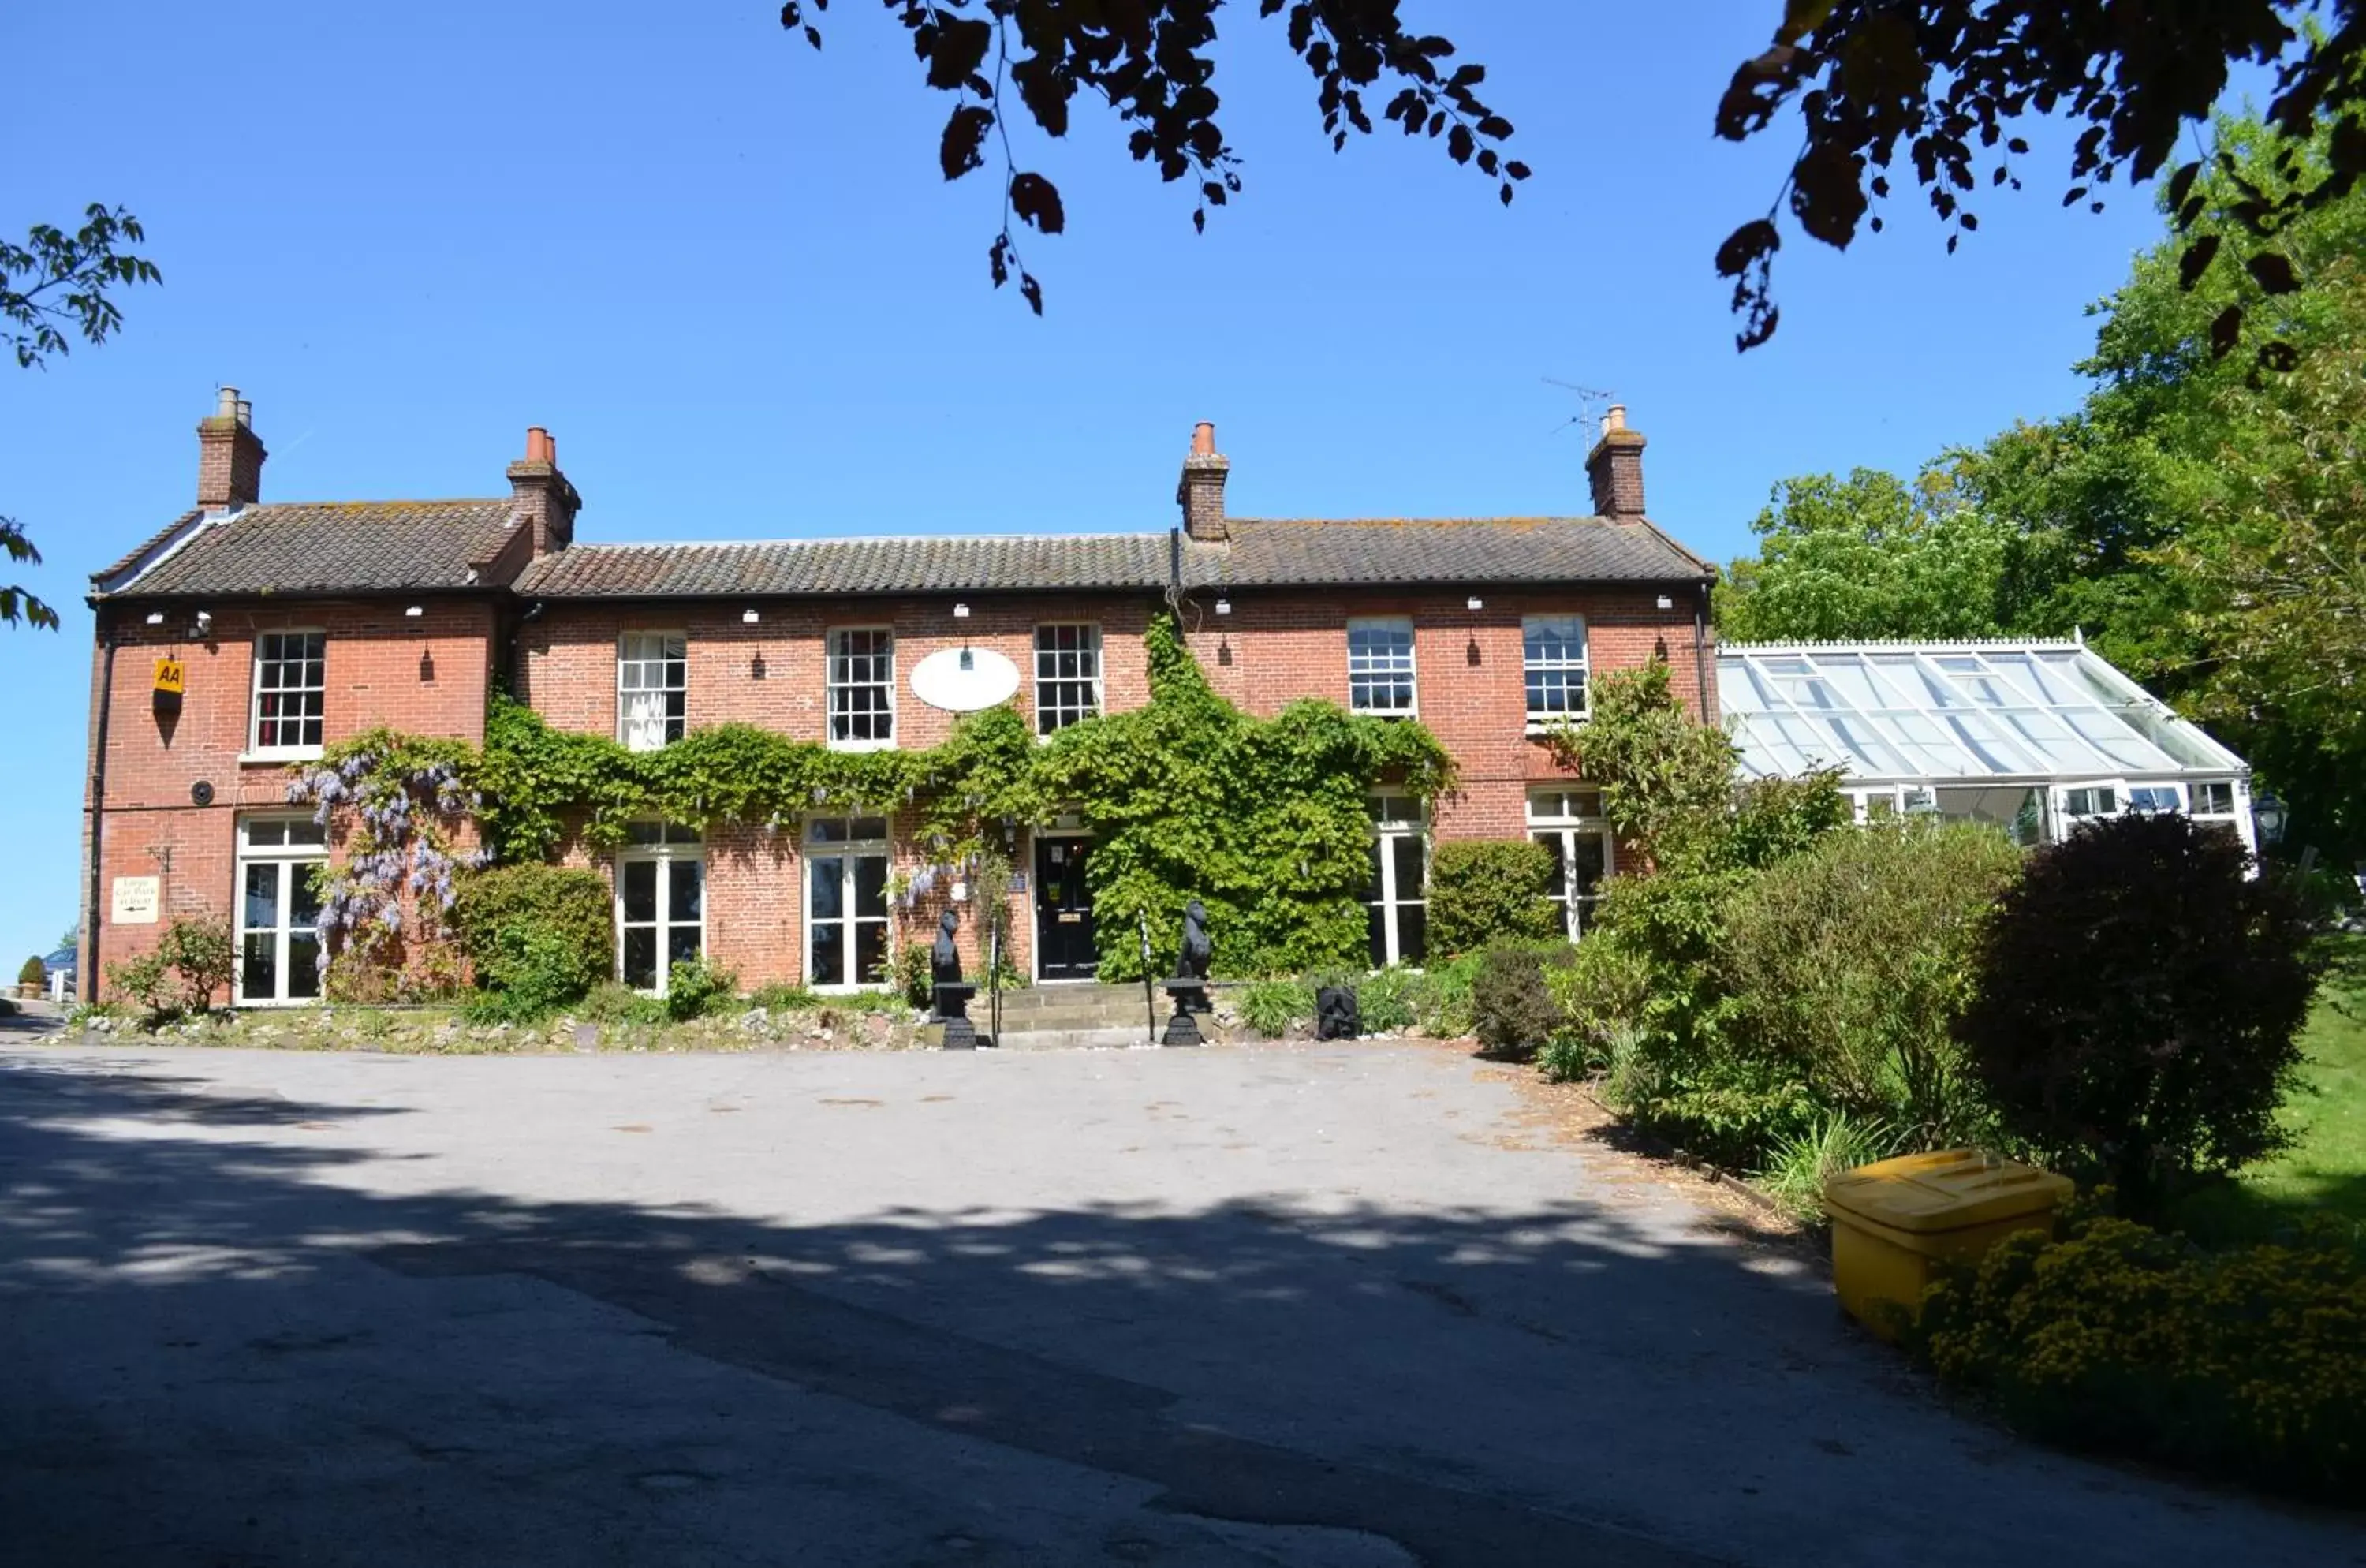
(229, 455)
(543, 497)
(1200, 491)
(1615, 468)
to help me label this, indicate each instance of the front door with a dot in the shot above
(1064, 911)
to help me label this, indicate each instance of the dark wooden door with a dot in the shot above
(1064, 911)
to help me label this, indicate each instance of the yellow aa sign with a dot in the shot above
(169, 676)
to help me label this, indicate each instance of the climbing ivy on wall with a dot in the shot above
(1262, 820)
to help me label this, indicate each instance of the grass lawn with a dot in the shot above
(2324, 1171)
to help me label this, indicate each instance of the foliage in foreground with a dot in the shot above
(1483, 891)
(193, 960)
(2249, 1362)
(541, 935)
(2138, 1005)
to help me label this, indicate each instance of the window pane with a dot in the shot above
(681, 945)
(827, 966)
(258, 974)
(643, 833)
(869, 828)
(640, 890)
(1379, 888)
(265, 834)
(303, 895)
(1376, 934)
(826, 882)
(1590, 861)
(1408, 853)
(870, 951)
(1555, 844)
(686, 882)
(306, 833)
(1413, 932)
(262, 896)
(827, 830)
(641, 957)
(871, 886)
(303, 965)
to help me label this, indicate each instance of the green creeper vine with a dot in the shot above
(1265, 820)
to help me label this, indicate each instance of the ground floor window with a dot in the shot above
(1397, 905)
(1569, 823)
(660, 903)
(845, 902)
(279, 909)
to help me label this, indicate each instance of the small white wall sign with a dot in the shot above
(136, 899)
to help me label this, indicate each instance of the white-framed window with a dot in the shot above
(1067, 675)
(846, 903)
(652, 689)
(1397, 905)
(279, 947)
(2215, 798)
(2155, 799)
(862, 687)
(1380, 666)
(290, 689)
(660, 903)
(2082, 801)
(1569, 823)
(1552, 665)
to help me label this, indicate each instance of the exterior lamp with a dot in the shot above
(2271, 814)
(749, 617)
(961, 612)
(155, 617)
(1223, 607)
(1477, 602)
(413, 612)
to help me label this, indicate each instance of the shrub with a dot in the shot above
(1384, 1001)
(146, 979)
(1511, 1007)
(611, 1002)
(1440, 995)
(780, 998)
(1272, 1007)
(1850, 960)
(33, 973)
(1602, 992)
(2138, 1000)
(571, 906)
(2251, 1361)
(1482, 892)
(1799, 1166)
(201, 952)
(532, 971)
(913, 974)
(694, 989)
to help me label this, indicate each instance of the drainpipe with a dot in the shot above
(90, 924)
(1700, 651)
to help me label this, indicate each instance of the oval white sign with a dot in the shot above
(964, 679)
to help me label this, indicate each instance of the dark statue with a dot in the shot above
(944, 958)
(1193, 962)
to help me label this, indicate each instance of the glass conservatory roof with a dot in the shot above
(1950, 710)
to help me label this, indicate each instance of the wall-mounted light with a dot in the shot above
(1223, 607)
(414, 611)
(1666, 603)
(1477, 602)
(961, 612)
(749, 617)
(204, 623)
(155, 617)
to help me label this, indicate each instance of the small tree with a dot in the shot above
(1666, 778)
(201, 952)
(2138, 997)
(1484, 891)
(33, 972)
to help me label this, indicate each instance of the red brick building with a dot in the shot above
(246, 635)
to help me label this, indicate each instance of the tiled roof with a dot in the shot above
(893, 565)
(1318, 554)
(354, 546)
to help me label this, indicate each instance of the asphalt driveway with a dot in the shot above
(1366, 1306)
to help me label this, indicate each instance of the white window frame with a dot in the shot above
(293, 860)
(1531, 628)
(280, 750)
(847, 850)
(2179, 799)
(1367, 665)
(675, 843)
(832, 653)
(672, 648)
(1088, 648)
(1397, 816)
(1558, 820)
(2059, 799)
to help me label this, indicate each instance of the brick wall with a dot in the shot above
(423, 676)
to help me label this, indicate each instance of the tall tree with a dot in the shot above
(1869, 556)
(54, 287)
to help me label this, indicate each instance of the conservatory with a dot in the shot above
(2034, 736)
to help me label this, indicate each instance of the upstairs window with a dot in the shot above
(1552, 662)
(862, 687)
(290, 685)
(1380, 666)
(1067, 676)
(652, 689)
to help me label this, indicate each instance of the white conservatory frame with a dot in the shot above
(1912, 723)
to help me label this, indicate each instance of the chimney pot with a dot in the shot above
(1200, 491)
(539, 448)
(227, 407)
(544, 498)
(1615, 419)
(1203, 439)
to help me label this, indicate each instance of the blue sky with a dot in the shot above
(408, 233)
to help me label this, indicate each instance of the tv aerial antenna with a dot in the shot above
(1590, 403)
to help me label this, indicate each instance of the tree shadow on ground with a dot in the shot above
(1537, 1336)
